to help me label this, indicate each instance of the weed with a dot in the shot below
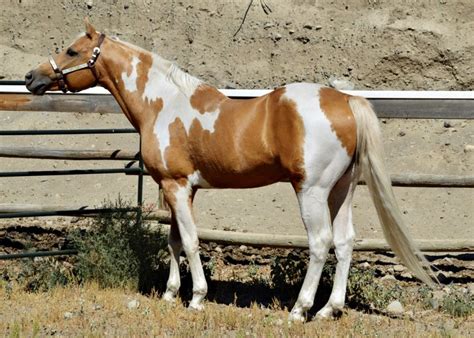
(458, 303)
(363, 291)
(44, 273)
(210, 267)
(288, 271)
(118, 250)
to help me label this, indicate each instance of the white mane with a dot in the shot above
(185, 82)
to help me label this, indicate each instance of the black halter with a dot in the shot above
(90, 64)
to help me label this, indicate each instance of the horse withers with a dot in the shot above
(193, 136)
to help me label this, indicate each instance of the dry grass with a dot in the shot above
(95, 311)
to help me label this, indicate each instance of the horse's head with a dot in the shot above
(73, 69)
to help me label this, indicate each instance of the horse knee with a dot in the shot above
(319, 247)
(191, 247)
(343, 248)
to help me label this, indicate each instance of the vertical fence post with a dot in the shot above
(140, 183)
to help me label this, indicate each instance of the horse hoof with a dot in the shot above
(169, 297)
(328, 312)
(296, 317)
(196, 306)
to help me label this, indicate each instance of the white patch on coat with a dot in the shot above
(130, 81)
(176, 104)
(325, 159)
(196, 179)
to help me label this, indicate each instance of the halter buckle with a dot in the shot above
(95, 55)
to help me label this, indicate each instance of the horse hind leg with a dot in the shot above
(340, 201)
(316, 218)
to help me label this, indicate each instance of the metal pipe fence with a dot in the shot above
(394, 107)
(76, 212)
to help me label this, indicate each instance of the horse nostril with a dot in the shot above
(29, 77)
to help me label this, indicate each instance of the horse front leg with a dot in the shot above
(179, 196)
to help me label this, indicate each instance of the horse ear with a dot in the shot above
(90, 30)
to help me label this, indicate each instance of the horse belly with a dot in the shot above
(221, 169)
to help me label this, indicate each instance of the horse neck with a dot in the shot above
(140, 81)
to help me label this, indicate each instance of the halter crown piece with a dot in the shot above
(90, 64)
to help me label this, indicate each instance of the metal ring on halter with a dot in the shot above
(61, 83)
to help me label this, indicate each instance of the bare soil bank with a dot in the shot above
(372, 44)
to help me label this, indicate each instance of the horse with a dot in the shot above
(193, 136)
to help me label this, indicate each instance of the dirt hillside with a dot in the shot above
(369, 44)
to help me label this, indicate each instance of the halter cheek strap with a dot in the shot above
(90, 64)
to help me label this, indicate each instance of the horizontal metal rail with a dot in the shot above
(387, 104)
(70, 212)
(409, 180)
(67, 132)
(18, 87)
(70, 172)
(68, 154)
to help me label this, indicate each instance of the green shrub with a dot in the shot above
(365, 292)
(118, 250)
(458, 303)
(288, 271)
(43, 273)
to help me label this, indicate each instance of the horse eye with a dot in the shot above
(71, 52)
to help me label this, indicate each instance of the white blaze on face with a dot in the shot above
(130, 81)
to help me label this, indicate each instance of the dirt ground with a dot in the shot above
(371, 44)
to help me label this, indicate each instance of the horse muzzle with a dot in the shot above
(37, 84)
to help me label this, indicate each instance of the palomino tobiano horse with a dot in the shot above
(193, 136)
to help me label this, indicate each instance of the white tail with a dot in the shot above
(369, 161)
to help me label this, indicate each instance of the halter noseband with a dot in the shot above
(90, 64)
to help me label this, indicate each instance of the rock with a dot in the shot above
(395, 307)
(89, 4)
(398, 268)
(243, 248)
(68, 315)
(218, 249)
(365, 265)
(96, 307)
(276, 37)
(468, 148)
(447, 290)
(406, 275)
(308, 26)
(268, 25)
(388, 278)
(303, 39)
(341, 84)
(447, 124)
(133, 304)
(401, 133)
(318, 27)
